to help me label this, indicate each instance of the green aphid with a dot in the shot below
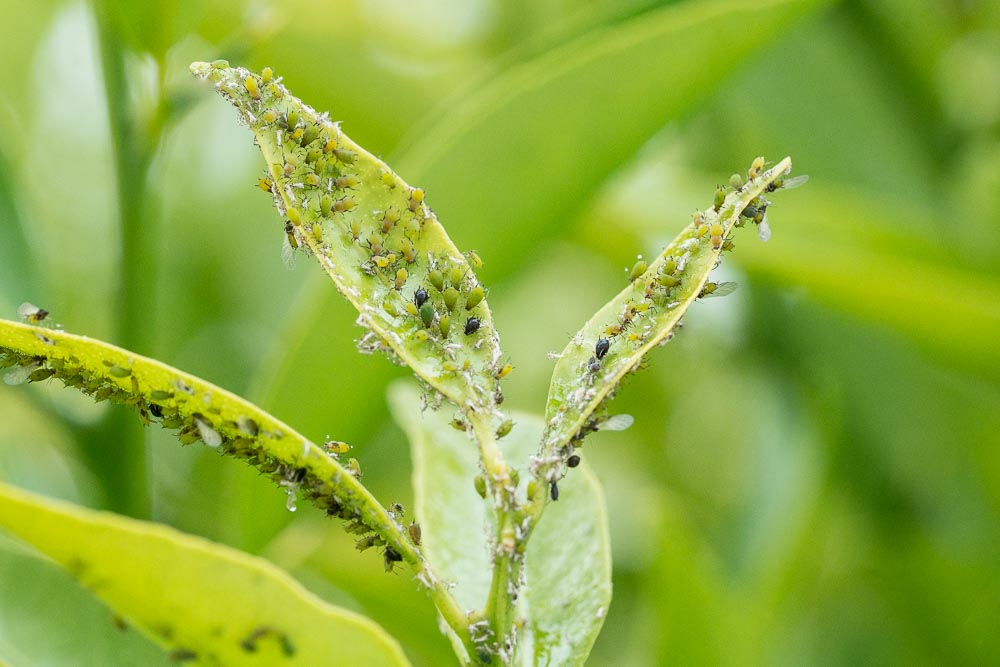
(476, 295)
(310, 135)
(436, 278)
(480, 484)
(720, 198)
(41, 374)
(505, 426)
(638, 269)
(455, 275)
(450, 298)
(427, 314)
(345, 156)
(444, 325)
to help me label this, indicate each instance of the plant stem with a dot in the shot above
(124, 472)
(499, 610)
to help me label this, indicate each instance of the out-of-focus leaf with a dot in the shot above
(198, 599)
(16, 257)
(524, 153)
(35, 591)
(568, 568)
(854, 255)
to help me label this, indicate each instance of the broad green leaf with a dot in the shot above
(375, 237)
(546, 134)
(201, 411)
(33, 591)
(568, 570)
(201, 601)
(613, 344)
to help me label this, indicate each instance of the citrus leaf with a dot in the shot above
(375, 237)
(568, 563)
(613, 344)
(202, 601)
(200, 411)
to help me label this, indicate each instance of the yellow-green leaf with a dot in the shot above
(201, 601)
(375, 236)
(200, 411)
(641, 317)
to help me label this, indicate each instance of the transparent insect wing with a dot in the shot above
(26, 310)
(764, 230)
(617, 422)
(794, 182)
(288, 254)
(723, 289)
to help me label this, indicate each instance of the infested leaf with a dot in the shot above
(617, 338)
(375, 236)
(201, 601)
(201, 411)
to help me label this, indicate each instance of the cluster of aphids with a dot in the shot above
(193, 414)
(432, 295)
(368, 539)
(661, 288)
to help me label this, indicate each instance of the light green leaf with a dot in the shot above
(568, 562)
(375, 237)
(201, 411)
(198, 599)
(33, 591)
(546, 134)
(641, 317)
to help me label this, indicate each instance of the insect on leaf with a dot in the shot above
(198, 410)
(375, 237)
(642, 316)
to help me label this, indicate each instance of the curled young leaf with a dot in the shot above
(644, 315)
(375, 236)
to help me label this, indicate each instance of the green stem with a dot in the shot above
(124, 472)
(499, 610)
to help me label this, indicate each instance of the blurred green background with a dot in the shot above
(814, 473)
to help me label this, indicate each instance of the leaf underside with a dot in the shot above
(375, 237)
(198, 410)
(641, 317)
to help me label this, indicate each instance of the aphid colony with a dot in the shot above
(373, 234)
(195, 416)
(643, 313)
